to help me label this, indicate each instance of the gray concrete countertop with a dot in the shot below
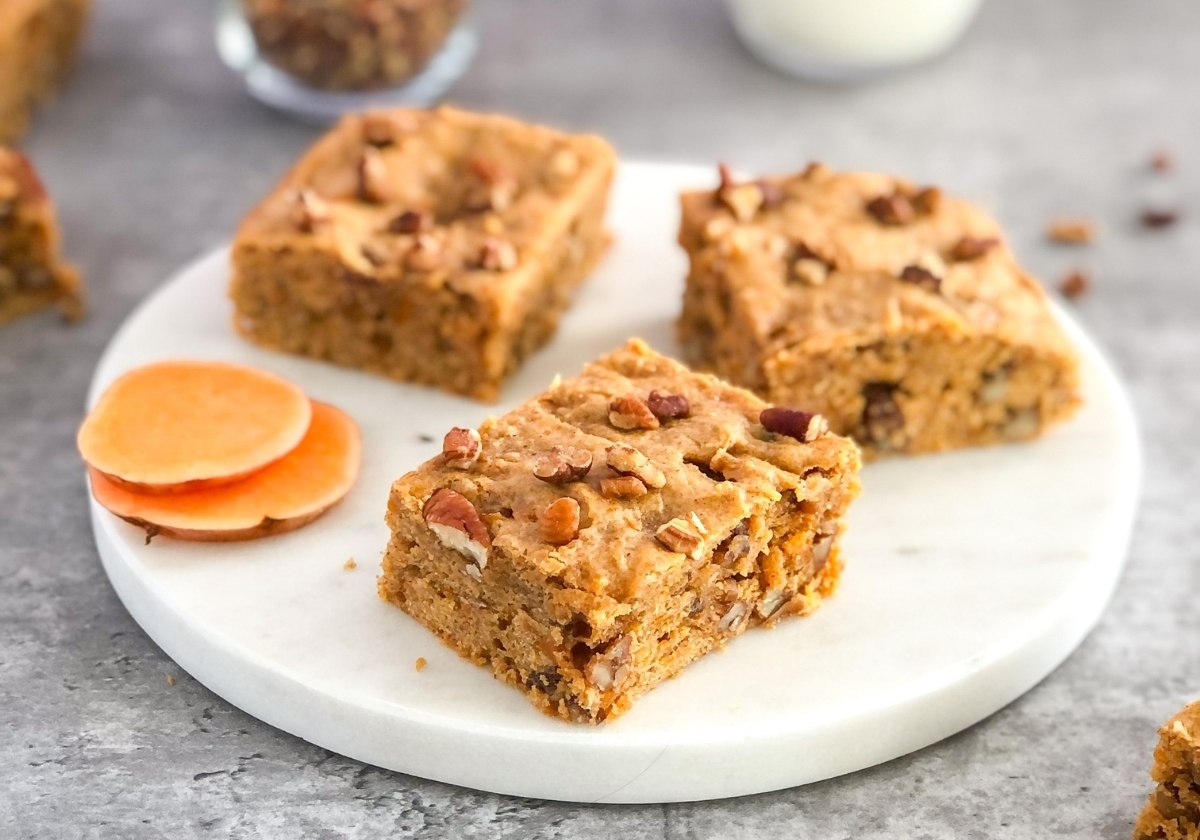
(154, 153)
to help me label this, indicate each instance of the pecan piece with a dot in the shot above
(1071, 231)
(1075, 285)
(927, 200)
(628, 413)
(497, 255)
(891, 209)
(372, 173)
(309, 211)
(460, 448)
(625, 460)
(666, 406)
(410, 221)
(734, 617)
(609, 668)
(456, 524)
(425, 254)
(1156, 218)
(881, 416)
(972, 247)
(377, 129)
(923, 277)
(623, 487)
(685, 536)
(559, 522)
(804, 426)
(562, 465)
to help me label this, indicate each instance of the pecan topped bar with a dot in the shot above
(1172, 812)
(594, 541)
(437, 247)
(897, 312)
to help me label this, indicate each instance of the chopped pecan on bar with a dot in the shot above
(460, 448)
(623, 487)
(666, 406)
(972, 247)
(372, 173)
(685, 536)
(922, 277)
(456, 524)
(609, 668)
(410, 221)
(892, 209)
(629, 413)
(559, 523)
(625, 460)
(309, 211)
(497, 255)
(562, 465)
(882, 416)
(804, 426)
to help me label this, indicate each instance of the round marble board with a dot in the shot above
(969, 577)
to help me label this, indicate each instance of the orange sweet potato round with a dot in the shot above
(185, 425)
(280, 497)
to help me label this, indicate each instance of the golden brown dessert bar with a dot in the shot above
(437, 247)
(38, 41)
(1173, 810)
(32, 274)
(348, 44)
(597, 539)
(899, 313)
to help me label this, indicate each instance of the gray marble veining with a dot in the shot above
(154, 153)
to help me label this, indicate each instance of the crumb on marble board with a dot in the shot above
(420, 664)
(350, 564)
(170, 680)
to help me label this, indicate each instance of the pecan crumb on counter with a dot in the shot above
(1071, 231)
(420, 664)
(1075, 285)
(350, 565)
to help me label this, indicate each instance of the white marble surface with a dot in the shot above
(959, 593)
(155, 153)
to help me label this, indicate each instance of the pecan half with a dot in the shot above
(562, 465)
(685, 536)
(666, 406)
(920, 276)
(804, 426)
(494, 188)
(309, 211)
(373, 184)
(460, 448)
(456, 524)
(734, 617)
(559, 522)
(609, 668)
(623, 487)
(625, 460)
(972, 247)
(743, 200)
(629, 412)
(891, 209)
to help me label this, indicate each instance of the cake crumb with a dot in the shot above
(420, 664)
(350, 564)
(1075, 285)
(170, 680)
(1162, 161)
(1071, 231)
(1159, 218)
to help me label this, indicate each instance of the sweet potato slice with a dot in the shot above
(282, 496)
(185, 425)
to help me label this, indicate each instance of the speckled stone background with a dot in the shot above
(154, 153)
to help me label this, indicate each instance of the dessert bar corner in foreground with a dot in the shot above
(597, 539)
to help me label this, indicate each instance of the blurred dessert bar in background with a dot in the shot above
(1173, 811)
(38, 40)
(897, 312)
(436, 247)
(32, 274)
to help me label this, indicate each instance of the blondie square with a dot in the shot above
(594, 541)
(32, 274)
(898, 313)
(38, 41)
(1173, 810)
(437, 247)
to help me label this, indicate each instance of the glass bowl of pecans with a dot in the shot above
(318, 59)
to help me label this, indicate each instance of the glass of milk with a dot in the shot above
(845, 39)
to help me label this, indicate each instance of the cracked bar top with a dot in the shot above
(659, 464)
(434, 196)
(822, 255)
